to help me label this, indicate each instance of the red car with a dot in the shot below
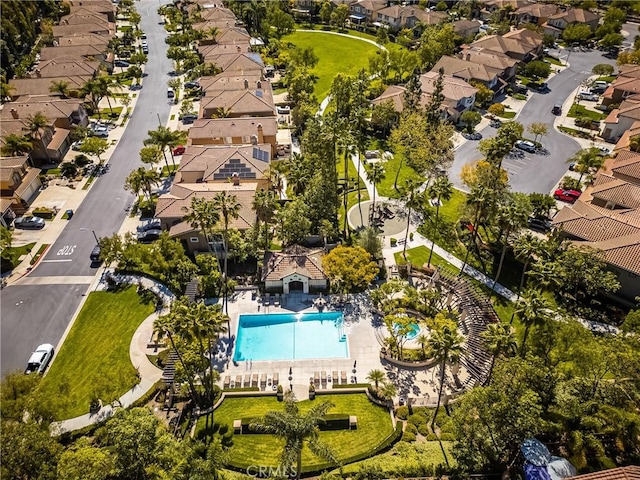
(567, 195)
(179, 150)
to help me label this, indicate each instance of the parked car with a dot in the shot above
(152, 224)
(539, 223)
(39, 359)
(145, 50)
(557, 109)
(604, 151)
(94, 256)
(189, 118)
(100, 132)
(567, 195)
(283, 110)
(29, 223)
(572, 166)
(143, 36)
(179, 150)
(149, 236)
(170, 93)
(120, 63)
(589, 96)
(77, 145)
(193, 84)
(525, 145)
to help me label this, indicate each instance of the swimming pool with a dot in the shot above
(285, 336)
(414, 330)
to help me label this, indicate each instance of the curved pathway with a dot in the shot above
(381, 47)
(149, 373)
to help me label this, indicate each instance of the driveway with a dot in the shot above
(38, 308)
(539, 173)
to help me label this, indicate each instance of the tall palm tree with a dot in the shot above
(446, 344)
(265, 205)
(499, 339)
(375, 174)
(525, 248)
(36, 123)
(634, 143)
(296, 430)
(164, 137)
(15, 145)
(142, 180)
(477, 198)
(377, 377)
(61, 87)
(203, 215)
(412, 200)
(586, 160)
(388, 391)
(532, 309)
(423, 341)
(441, 189)
(229, 208)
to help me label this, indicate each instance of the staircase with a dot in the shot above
(169, 372)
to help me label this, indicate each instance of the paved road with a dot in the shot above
(34, 314)
(539, 173)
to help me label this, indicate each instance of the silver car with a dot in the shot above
(29, 223)
(39, 359)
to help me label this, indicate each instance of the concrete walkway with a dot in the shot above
(138, 351)
(381, 47)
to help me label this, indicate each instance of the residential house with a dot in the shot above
(222, 163)
(621, 120)
(172, 207)
(535, 13)
(493, 59)
(63, 115)
(63, 67)
(459, 96)
(246, 63)
(238, 103)
(230, 81)
(627, 83)
(522, 45)
(217, 14)
(624, 166)
(23, 87)
(489, 7)
(61, 31)
(212, 51)
(234, 131)
(401, 16)
(19, 182)
(103, 8)
(555, 24)
(295, 268)
(365, 11)
(98, 41)
(466, 28)
(233, 36)
(82, 16)
(469, 71)
(82, 53)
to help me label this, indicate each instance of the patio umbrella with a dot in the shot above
(534, 472)
(559, 468)
(535, 452)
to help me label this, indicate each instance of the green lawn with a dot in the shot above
(374, 426)
(607, 79)
(336, 54)
(578, 110)
(385, 187)
(108, 114)
(553, 61)
(94, 358)
(507, 114)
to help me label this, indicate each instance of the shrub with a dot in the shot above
(570, 183)
(519, 96)
(416, 419)
(411, 428)
(81, 160)
(496, 109)
(432, 437)
(393, 241)
(408, 437)
(424, 430)
(447, 437)
(402, 412)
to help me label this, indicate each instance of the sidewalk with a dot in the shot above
(138, 351)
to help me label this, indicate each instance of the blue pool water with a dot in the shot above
(415, 330)
(290, 336)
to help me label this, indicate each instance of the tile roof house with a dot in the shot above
(230, 81)
(365, 11)
(60, 31)
(222, 163)
(18, 183)
(62, 67)
(620, 120)
(401, 16)
(493, 59)
(246, 63)
(40, 86)
(234, 131)
(536, 13)
(625, 166)
(212, 51)
(468, 71)
(466, 28)
(523, 45)
(232, 36)
(81, 53)
(490, 6)
(459, 96)
(99, 41)
(627, 83)
(631, 472)
(173, 206)
(238, 103)
(294, 268)
(102, 8)
(555, 24)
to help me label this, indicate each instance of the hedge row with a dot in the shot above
(333, 421)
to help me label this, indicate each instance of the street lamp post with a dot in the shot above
(92, 231)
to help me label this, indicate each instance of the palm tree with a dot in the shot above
(388, 391)
(532, 310)
(441, 189)
(296, 430)
(203, 215)
(229, 208)
(265, 204)
(477, 197)
(15, 145)
(164, 137)
(377, 377)
(586, 160)
(5, 90)
(36, 123)
(375, 174)
(60, 87)
(499, 339)
(211, 34)
(525, 248)
(634, 143)
(446, 345)
(423, 341)
(412, 199)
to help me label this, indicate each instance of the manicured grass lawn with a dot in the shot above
(374, 426)
(385, 187)
(578, 110)
(336, 54)
(108, 114)
(553, 61)
(94, 358)
(507, 114)
(608, 79)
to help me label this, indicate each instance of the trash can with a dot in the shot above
(69, 214)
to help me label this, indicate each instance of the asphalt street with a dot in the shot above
(539, 173)
(35, 314)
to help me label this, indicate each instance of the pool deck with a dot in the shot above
(421, 385)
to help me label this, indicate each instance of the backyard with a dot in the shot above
(374, 426)
(336, 54)
(94, 359)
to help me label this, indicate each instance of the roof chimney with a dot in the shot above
(260, 133)
(235, 179)
(258, 84)
(239, 49)
(38, 73)
(246, 84)
(14, 113)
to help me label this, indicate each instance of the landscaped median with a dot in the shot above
(94, 358)
(375, 431)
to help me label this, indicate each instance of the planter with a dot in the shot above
(312, 394)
